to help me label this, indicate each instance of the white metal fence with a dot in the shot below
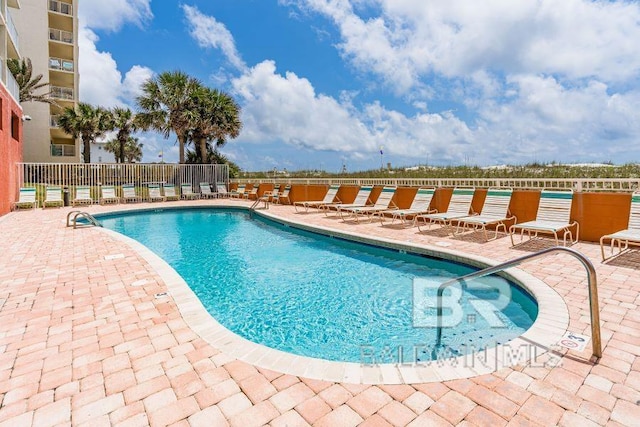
(577, 184)
(70, 175)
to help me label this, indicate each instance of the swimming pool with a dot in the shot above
(312, 295)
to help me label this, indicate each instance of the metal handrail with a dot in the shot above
(81, 214)
(591, 278)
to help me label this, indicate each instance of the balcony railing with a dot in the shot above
(61, 7)
(63, 150)
(53, 120)
(11, 28)
(12, 86)
(61, 92)
(60, 35)
(61, 64)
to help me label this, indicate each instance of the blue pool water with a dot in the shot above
(318, 296)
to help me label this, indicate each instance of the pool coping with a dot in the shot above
(535, 346)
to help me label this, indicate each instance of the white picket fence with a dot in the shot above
(70, 175)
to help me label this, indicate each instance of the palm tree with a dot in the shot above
(165, 103)
(87, 122)
(22, 71)
(125, 121)
(215, 116)
(132, 150)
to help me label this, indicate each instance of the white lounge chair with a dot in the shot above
(187, 192)
(630, 235)
(383, 203)
(283, 195)
(205, 190)
(221, 190)
(83, 195)
(251, 194)
(129, 194)
(155, 195)
(108, 195)
(495, 211)
(459, 207)
(26, 198)
(362, 199)
(553, 217)
(237, 192)
(329, 198)
(53, 196)
(170, 192)
(420, 205)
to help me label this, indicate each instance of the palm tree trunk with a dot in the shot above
(181, 140)
(122, 140)
(203, 151)
(86, 150)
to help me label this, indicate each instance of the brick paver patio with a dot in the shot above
(84, 341)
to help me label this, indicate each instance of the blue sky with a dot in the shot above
(327, 82)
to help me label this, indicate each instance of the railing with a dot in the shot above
(61, 7)
(577, 184)
(591, 279)
(97, 174)
(90, 219)
(11, 28)
(53, 120)
(60, 92)
(12, 86)
(60, 35)
(63, 150)
(61, 64)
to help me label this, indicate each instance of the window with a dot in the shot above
(15, 126)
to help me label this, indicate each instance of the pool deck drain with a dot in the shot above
(80, 346)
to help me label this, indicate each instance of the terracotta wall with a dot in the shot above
(597, 213)
(10, 149)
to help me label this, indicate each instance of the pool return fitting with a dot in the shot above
(591, 279)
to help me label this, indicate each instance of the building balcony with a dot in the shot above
(61, 64)
(63, 150)
(12, 86)
(61, 35)
(58, 92)
(13, 32)
(61, 7)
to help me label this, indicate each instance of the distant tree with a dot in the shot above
(132, 150)
(87, 122)
(214, 117)
(165, 103)
(22, 71)
(125, 122)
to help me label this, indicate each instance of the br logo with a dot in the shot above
(463, 301)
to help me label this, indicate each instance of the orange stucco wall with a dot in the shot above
(597, 213)
(10, 149)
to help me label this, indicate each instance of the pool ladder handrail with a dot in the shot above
(264, 198)
(591, 278)
(81, 214)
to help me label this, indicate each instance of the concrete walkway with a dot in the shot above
(84, 341)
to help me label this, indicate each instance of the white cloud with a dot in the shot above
(209, 33)
(287, 108)
(113, 14)
(410, 39)
(101, 82)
